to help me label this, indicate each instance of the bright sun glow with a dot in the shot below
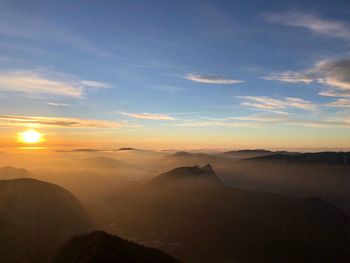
(30, 136)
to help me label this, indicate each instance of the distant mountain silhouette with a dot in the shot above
(126, 149)
(188, 176)
(36, 218)
(335, 158)
(9, 172)
(87, 150)
(241, 154)
(101, 247)
(223, 224)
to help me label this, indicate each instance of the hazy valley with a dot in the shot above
(238, 206)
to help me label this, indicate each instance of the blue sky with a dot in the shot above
(216, 73)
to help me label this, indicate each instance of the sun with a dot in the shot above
(30, 136)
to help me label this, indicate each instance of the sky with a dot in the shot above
(176, 74)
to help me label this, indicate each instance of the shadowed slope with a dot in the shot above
(323, 158)
(99, 246)
(223, 224)
(39, 217)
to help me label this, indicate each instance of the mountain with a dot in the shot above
(99, 246)
(189, 176)
(9, 172)
(328, 158)
(36, 218)
(126, 149)
(224, 224)
(246, 153)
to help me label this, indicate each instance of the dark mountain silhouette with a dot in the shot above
(101, 247)
(246, 153)
(126, 149)
(9, 172)
(36, 218)
(87, 150)
(328, 158)
(222, 224)
(188, 176)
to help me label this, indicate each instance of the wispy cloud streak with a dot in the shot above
(31, 82)
(334, 74)
(211, 79)
(15, 120)
(148, 116)
(312, 22)
(268, 103)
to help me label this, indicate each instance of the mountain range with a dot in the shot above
(224, 224)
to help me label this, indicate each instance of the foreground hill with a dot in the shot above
(221, 224)
(328, 158)
(36, 218)
(99, 246)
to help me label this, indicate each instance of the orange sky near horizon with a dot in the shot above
(178, 139)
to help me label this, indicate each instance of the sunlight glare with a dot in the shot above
(30, 136)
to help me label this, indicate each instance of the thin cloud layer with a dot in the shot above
(211, 79)
(94, 84)
(217, 123)
(148, 116)
(335, 74)
(28, 82)
(269, 121)
(58, 104)
(14, 120)
(268, 103)
(312, 22)
(339, 103)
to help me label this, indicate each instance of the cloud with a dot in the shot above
(268, 103)
(31, 82)
(313, 23)
(217, 123)
(13, 120)
(334, 93)
(265, 120)
(335, 74)
(94, 84)
(339, 103)
(149, 116)
(289, 76)
(211, 79)
(58, 104)
(275, 118)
